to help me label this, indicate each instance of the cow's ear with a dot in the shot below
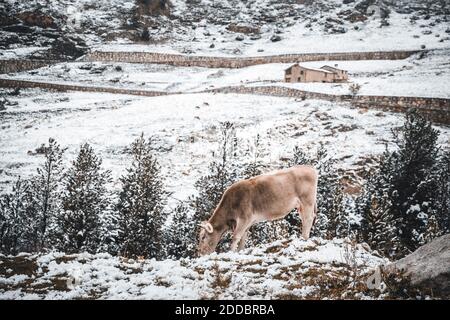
(207, 226)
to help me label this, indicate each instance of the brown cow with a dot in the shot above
(266, 197)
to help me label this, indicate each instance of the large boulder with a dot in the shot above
(428, 267)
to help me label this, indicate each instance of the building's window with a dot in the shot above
(288, 71)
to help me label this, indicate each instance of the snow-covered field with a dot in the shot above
(426, 77)
(186, 130)
(287, 269)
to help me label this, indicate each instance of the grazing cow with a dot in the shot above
(266, 197)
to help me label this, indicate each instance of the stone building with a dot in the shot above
(298, 73)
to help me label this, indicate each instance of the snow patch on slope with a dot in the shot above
(286, 267)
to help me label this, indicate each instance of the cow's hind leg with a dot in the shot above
(307, 215)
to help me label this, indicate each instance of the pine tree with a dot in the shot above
(141, 202)
(442, 196)
(337, 218)
(181, 236)
(85, 200)
(269, 231)
(414, 161)
(46, 189)
(223, 171)
(437, 187)
(378, 224)
(254, 167)
(17, 227)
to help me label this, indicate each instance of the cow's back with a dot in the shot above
(270, 196)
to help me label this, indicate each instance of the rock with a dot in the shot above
(87, 66)
(356, 17)
(371, 7)
(98, 70)
(241, 28)
(275, 38)
(37, 19)
(333, 20)
(239, 37)
(428, 267)
(3, 102)
(384, 23)
(348, 1)
(6, 20)
(339, 30)
(18, 28)
(65, 49)
(212, 45)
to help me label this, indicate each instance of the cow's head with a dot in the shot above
(208, 238)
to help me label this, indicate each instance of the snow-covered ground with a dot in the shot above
(186, 130)
(401, 34)
(293, 269)
(202, 27)
(427, 77)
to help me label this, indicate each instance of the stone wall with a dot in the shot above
(11, 66)
(11, 83)
(437, 109)
(239, 62)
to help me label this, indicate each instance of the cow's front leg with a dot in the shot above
(238, 235)
(242, 241)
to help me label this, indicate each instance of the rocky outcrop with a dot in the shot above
(37, 19)
(428, 267)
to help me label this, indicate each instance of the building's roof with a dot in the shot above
(316, 69)
(294, 65)
(330, 67)
(321, 69)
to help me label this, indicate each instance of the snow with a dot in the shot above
(426, 77)
(401, 34)
(248, 274)
(19, 53)
(185, 130)
(370, 37)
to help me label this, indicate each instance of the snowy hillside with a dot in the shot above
(185, 129)
(110, 164)
(288, 269)
(231, 27)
